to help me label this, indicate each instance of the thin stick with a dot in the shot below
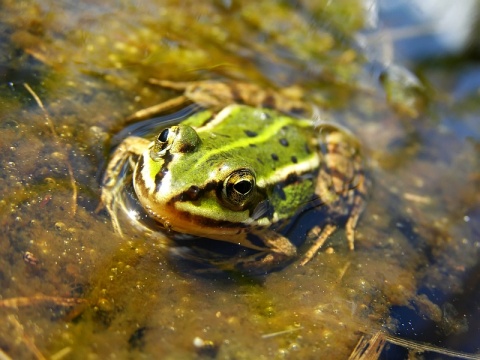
(74, 186)
(422, 347)
(368, 347)
(288, 331)
(40, 105)
(17, 302)
(157, 109)
(4, 356)
(54, 132)
(26, 340)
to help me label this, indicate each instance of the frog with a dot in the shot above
(240, 168)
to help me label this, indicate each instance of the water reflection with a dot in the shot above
(428, 28)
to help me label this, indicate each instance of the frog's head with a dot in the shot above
(187, 184)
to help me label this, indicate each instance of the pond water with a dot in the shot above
(70, 287)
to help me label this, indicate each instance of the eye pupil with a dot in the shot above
(163, 135)
(243, 187)
(238, 189)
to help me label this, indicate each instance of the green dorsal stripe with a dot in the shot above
(262, 137)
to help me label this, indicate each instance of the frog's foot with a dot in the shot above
(263, 262)
(277, 251)
(325, 233)
(198, 260)
(206, 262)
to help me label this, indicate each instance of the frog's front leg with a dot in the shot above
(112, 181)
(277, 252)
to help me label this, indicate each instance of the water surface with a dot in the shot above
(71, 288)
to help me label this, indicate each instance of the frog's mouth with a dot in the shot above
(203, 218)
(173, 218)
(206, 217)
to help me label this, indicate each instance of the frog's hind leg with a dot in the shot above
(325, 233)
(342, 184)
(157, 109)
(352, 221)
(357, 201)
(358, 205)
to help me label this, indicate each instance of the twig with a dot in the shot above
(368, 347)
(4, 356)
(61, 354)
(26, 340)
(344, 271)
(40, 105)
(54, 132)
(74, 187)
(288, 331)
(422, 347)
(17, 302)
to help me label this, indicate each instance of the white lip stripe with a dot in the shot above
(163, 191)
(148, 181)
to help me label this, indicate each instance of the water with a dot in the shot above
(413, 273)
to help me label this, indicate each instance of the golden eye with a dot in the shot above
(238, 188)
(163, 143)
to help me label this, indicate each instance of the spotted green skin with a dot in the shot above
(281, 151)
(237, 175)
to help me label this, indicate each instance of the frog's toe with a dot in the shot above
(324, 234)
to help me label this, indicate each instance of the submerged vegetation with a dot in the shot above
(70, 287)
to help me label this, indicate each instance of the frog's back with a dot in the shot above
(275, 145)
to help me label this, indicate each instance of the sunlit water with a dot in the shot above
(70, 287)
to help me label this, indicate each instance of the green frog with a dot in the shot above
(240, 169)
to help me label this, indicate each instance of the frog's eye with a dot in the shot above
(176, 139)
(163, 143)
(238, 187)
